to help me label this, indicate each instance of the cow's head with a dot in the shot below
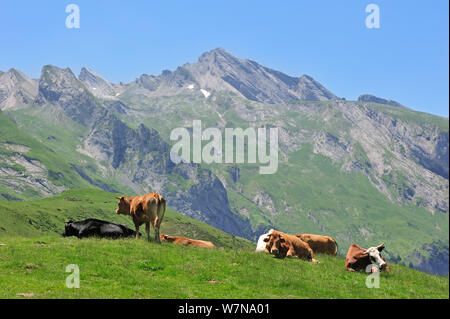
(276, 244)
(266, 237)
(375, 256)
(166, 238)
(123, 206)
(69, 229)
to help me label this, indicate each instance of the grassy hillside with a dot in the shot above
(137, 269)
(15, 142)
(47, 215)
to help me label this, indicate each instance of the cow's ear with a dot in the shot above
(380, 247)
(282, 238)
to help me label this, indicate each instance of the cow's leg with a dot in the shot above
(311, 255)
(290, 252)
(158, 240)
(147, 230)
(156, 224)
(137, 231)
(136, 225)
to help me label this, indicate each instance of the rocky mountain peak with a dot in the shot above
(217, 56)
(96, 83)
(219, 70)
(61, 88)
(58, 77)
(16, 89)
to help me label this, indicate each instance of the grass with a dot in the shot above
(138, 269)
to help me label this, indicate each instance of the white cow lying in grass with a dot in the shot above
(261, 245)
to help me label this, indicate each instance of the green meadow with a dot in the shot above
(34, 257)
(36, 268)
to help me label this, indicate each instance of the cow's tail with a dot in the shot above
(160, 210)
(336, 247)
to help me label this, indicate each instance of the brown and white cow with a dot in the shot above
(147, 209)
(283, 245)
(178, 240)
(320, 244)
(358, 259)
(261, 245)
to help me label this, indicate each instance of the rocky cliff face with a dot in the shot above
(399, 156)
(432, 259)
(432, 152)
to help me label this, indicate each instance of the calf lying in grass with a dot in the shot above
(178, 240)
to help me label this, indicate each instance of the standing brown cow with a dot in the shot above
(283, 245)
(144, 209)
(320, 244)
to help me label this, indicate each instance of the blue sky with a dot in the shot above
(406, 59)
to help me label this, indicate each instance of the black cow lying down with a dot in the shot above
(95, 227)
